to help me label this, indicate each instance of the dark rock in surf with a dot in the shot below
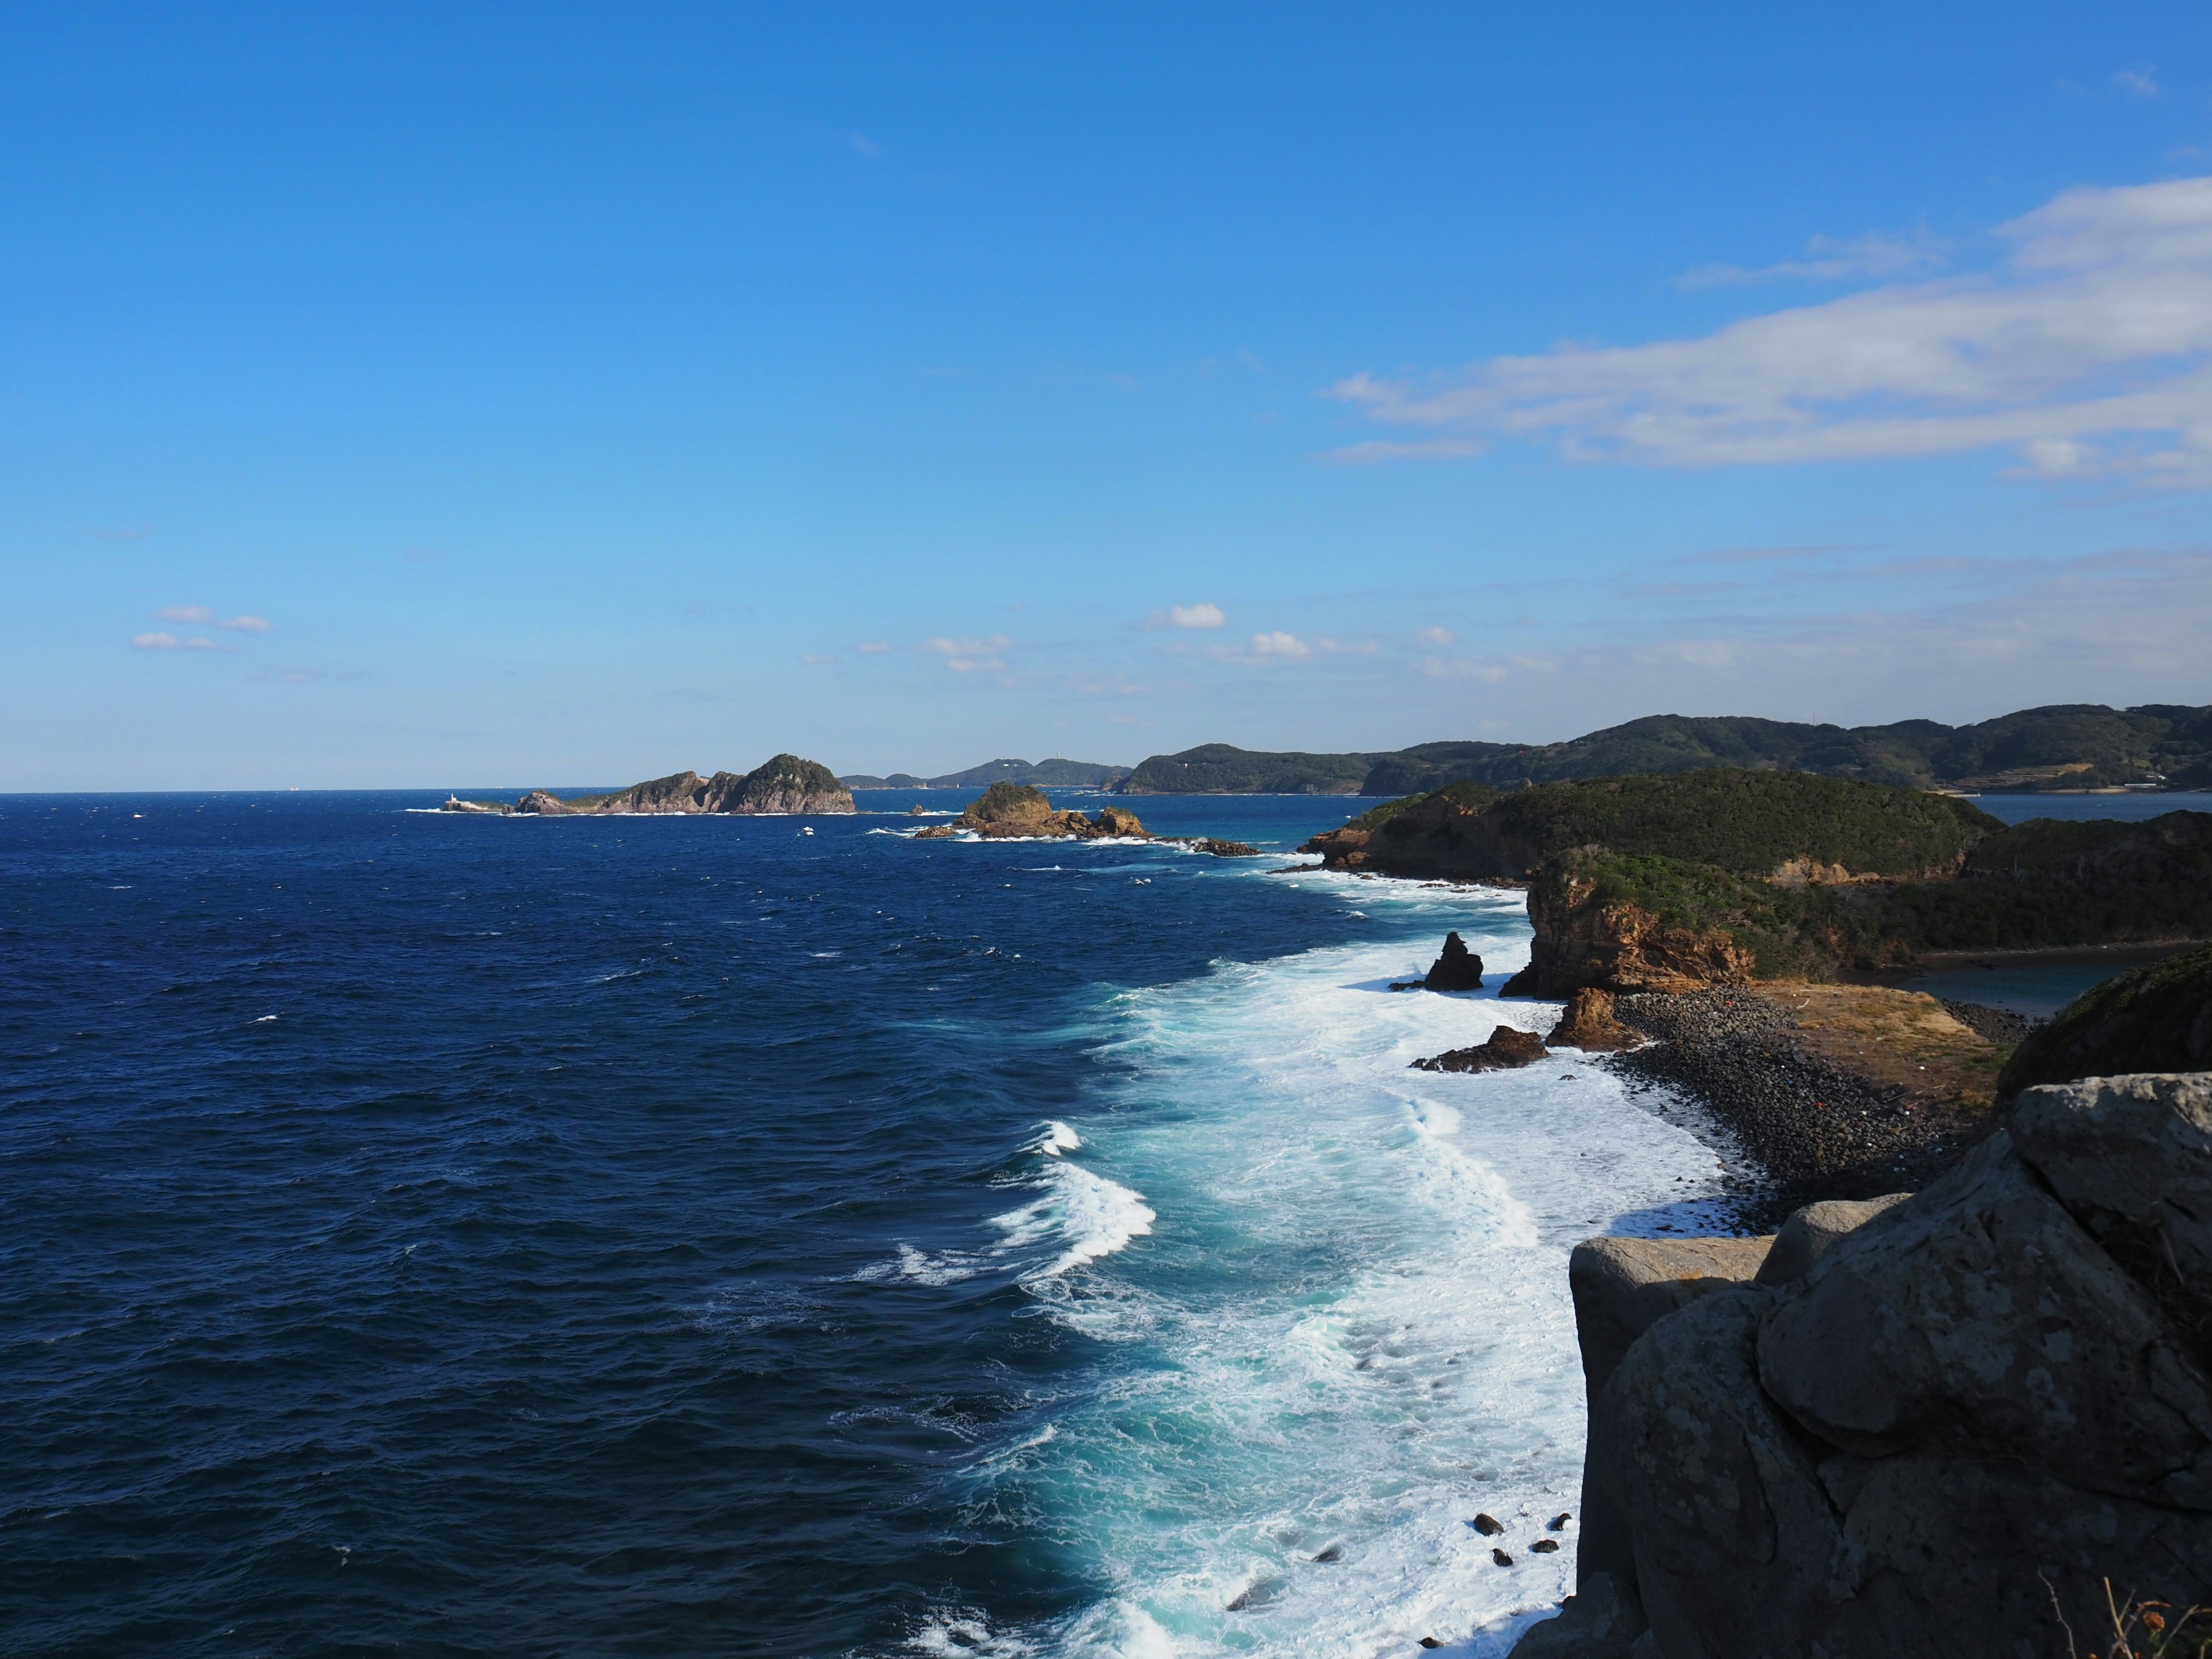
(1506, 1050)
(1526, 983)
(1457, 969)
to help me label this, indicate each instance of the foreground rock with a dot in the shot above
(1947, 1413)
(1505, 1050)
(786, 784)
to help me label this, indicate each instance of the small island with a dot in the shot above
(1009, 812)
(787, 785)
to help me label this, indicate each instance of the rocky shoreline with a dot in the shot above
(1816, 1128)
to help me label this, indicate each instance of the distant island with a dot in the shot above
(787, 783)
(2065, 746)
(1020, 811)
(1043, 775)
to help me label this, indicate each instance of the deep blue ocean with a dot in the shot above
(434, 1235)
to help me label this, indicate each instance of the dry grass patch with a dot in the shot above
(1890, 1037)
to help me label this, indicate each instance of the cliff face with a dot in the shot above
(1914, 1427)
(1586, 937)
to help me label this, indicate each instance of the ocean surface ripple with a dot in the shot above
(437, 1236)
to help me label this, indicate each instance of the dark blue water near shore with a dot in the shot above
(431, 1235)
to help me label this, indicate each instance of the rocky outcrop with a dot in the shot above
(1585, 936)
(2156, 1018)
(540, 803)
(1589, 1023)
(1505, 1050)
(491, 808)
(1919, 1432)
(1458, 968)
(1010, 811)
(787, 783)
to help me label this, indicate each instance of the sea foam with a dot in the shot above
(1329, 1299)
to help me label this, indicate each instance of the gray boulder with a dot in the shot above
(2131, 1157)
(1598, 1621)
(1621, 1288)
(1814, 1231)
(1738, 1548)
(1980, 1320)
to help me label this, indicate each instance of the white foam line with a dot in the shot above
(1353, 1325)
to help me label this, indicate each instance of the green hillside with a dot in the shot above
(2064, 746)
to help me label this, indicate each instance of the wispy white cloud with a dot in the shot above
(1875, 257)
(969, 656)
(2136, 82)
(809, 657)
(2088, 350)
(171, 642)
(1346, 648)
(1438, 637)
(1276, 646)
(863, 145)
(200, 613)
(1188, 616)
(874, 648)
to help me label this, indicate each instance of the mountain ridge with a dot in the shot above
(2057, 747)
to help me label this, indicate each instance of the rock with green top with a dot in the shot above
(2157, 1018)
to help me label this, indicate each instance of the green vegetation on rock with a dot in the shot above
(2157, 1018)
(1009, 803)
(1217, 769)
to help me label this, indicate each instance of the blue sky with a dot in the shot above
(423, 396)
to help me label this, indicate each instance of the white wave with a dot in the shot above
(1057, 1137)
(914, 1266)
(1355, 1333)
(1084, 1215)
(969, 1633)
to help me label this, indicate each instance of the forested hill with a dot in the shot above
(2064, 746)
(1045, 774)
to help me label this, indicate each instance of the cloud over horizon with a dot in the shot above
(2088, 350)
